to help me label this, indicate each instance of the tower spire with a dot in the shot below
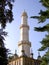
(24, 43)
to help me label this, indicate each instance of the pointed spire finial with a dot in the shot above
(31, 53)
(38, 53)
(24, 13)
(15, 51)
(39, 57)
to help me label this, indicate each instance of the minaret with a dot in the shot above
(24, 44)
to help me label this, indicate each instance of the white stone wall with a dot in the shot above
(24, 34)
(26, 48)
(16, 62)
(24, 20)
(20, 49)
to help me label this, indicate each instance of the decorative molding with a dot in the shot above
(24, 26)
(24, 42)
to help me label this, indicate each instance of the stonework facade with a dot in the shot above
(24, 45)
(23, 60)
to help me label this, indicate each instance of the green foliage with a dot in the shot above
(43, 16)
(45, 59)
(45, 3)
(5, 12)
(42, 29)
(6, 16)
(45, 43)
(3, 52)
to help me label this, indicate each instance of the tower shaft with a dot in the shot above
(24, 43)
(24, 31)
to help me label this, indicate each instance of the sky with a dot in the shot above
(32, 7)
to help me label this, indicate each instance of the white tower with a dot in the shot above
(24, 43)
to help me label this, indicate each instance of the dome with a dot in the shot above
(24, 14)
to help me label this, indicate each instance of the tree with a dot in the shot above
(3, 50)
(44, 15)
(6, 16)
(6, 12)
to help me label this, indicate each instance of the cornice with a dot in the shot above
(22, 26)
(24, 42)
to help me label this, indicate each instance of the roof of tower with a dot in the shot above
(24, 14)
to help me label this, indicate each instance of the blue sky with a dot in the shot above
(32, 7)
